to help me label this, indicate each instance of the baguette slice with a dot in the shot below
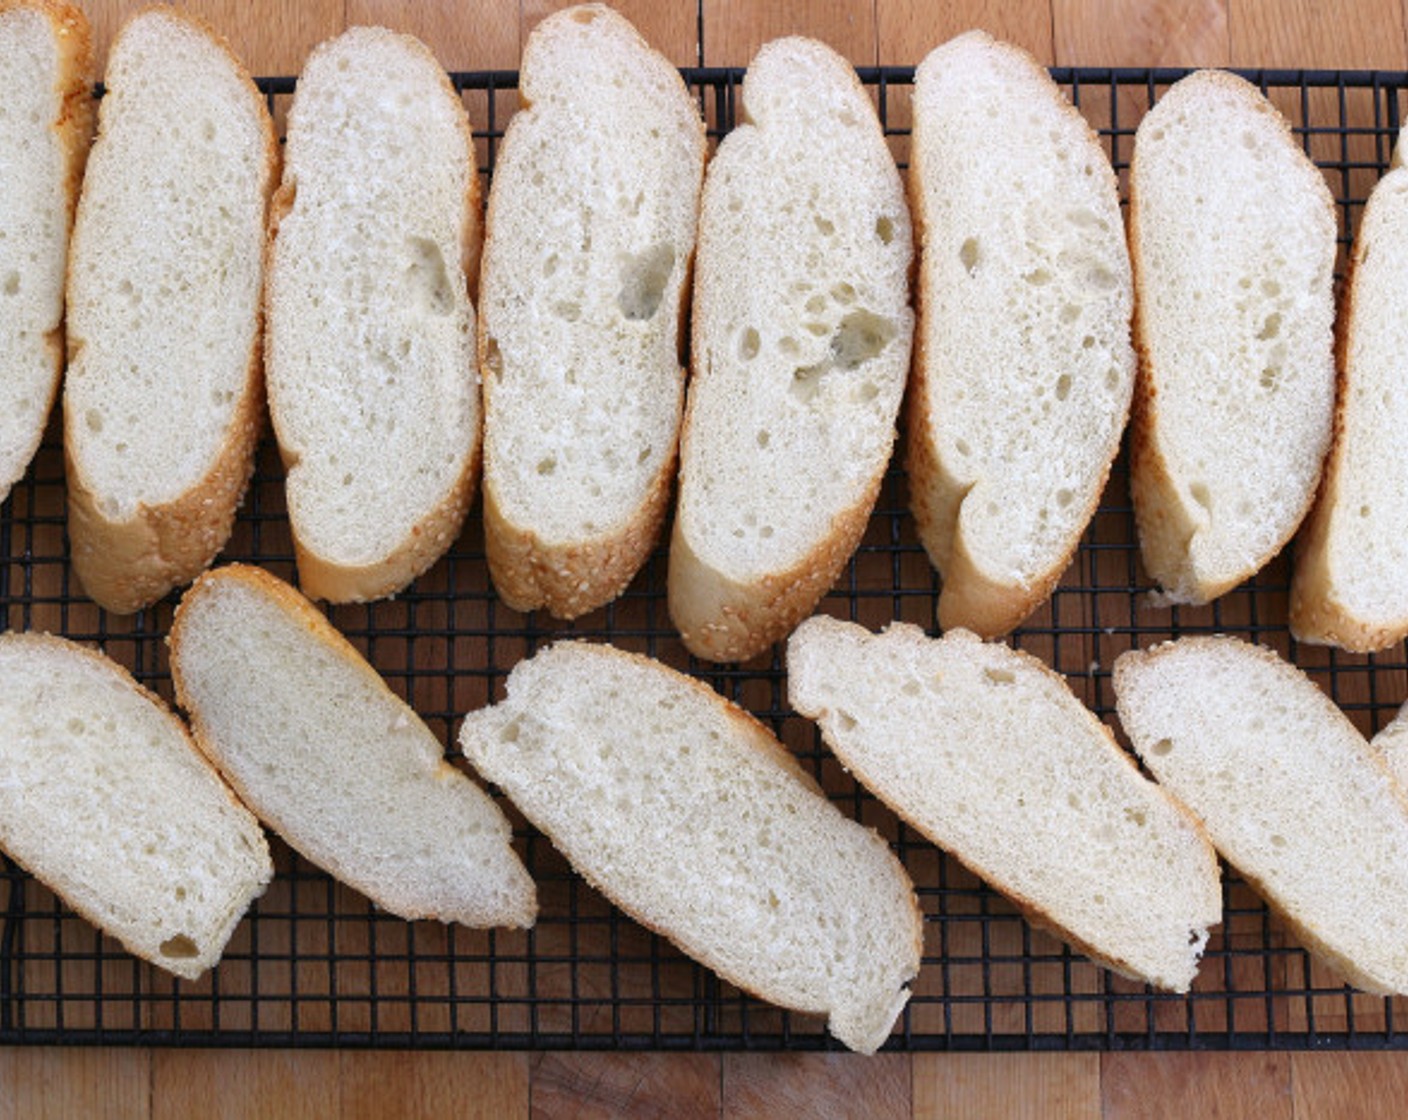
(988, 754)
(46, 117)
(591, 225)
(105, 799)
(1350, 587)
(333, 761)
(370, 348)
(164, 396)
(1024, 365)
(691, 817)
(1289, 791)
(1232, 232)
(801, 340)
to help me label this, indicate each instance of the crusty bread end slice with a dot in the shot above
(332, 760)
(1023, 363)
(163, 400)
(801, 338)
(590, 237)
(989, 754)
(373, 393)
(1288, 789)
(104, 798)
(1350, 587)
(690, 816)
(46, 120)
(1232, 234)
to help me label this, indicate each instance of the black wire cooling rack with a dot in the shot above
(313, 964)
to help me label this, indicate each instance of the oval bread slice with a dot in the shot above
(164, 398)
(370, 347)
(692, 818)
(105, 799)
(46, 117)
(1350, 587)
(1232, 233)
(1289, 791)
(1024, 364)
(591, 223)
(334, 761)
(988, 754)
(801, 340)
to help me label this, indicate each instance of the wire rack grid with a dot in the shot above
(314, 964)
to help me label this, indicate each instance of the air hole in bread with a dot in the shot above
(843, 293)
(884, 229)
(1037, 277)
(1271, 327)
(1200, 494)
(1363, 511)
(817, 328)
(1136, 817)
(567, 310)
(788, 345)
(999, 676)
(426, 277)
(764, 438)
(584, 15)
(180, 948)
(643, 279)
(824, 226)
(493, 360)
(860, 337)
(866, 391)
(550, 264)
(1064, 497)
(1269, 376)
(1063, 386)
(816, 305)
(845, 721)
(1070, 312)
(11, 287)
(748, 344)
(1278, 841)
(509, 732)
(1162, 748)
(547, 466)
(968, 255)
(94, 419)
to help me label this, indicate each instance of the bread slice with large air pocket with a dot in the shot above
(370, 346)
(1350, 587)
(1232, 233)
(801, 339)
(690, 816)
(989, 754)
(105, 799)
(163, 400)
(590, 236)
(1291, 794)
(330, 758)
(46, 117)
(1024, 366)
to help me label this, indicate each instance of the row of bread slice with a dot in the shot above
(1023, 372)
(690, 815)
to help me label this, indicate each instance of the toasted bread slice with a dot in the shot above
(105, 799)
(1289, 791)
(987, 753)
(1232, 233)
(590, 236)
(692, 818)
(370, 346)
(333, 761)
(164, 397)
(1024, 366)
(801, 340)
(46, 118)
(1350, 587)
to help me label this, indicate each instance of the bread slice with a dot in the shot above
(164, 397)
(591, 223)
(370, 347)
(104, 798)
(1024, 366)
(1289, 791)
(691, 817)
(333, 761)
(46, 117)
(987, 753)
(801, 340)
(1232, 232)
(1350, 587)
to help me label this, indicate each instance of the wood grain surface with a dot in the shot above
(275, 37)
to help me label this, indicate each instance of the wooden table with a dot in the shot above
(479, 34)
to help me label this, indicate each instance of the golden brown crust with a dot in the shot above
(433, 535)
(127, 565)
(1165, 524)
(971, 598)
(1316, 613)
